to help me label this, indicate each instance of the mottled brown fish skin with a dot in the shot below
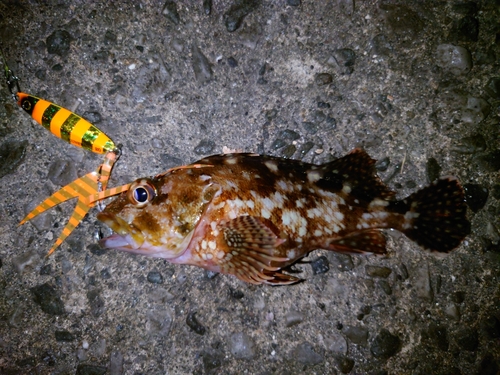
(251, 216)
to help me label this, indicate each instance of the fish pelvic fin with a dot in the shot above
(435, 217)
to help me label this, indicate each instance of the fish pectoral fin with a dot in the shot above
(250, 246)
(371, 241)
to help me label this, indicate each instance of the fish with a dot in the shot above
(254, 216)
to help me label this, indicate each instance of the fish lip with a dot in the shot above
(119, 242)
(125, 237)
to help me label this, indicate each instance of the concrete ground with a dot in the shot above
(416, 84)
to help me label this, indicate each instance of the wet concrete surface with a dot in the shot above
(415, 84)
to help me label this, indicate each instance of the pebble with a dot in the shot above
(212, 360)
(475, 196)
(320, 265)
(433, 169)
(116, 363)
(471, 145)
(488, 366)
(92, 117)
(465, 29)
(344, 59)
(159, 322)
(489, 162)
(467, 339)
(96, 302)
(492, 88)
(304, 353)
(385, 286)
(207, 7)
(452, 311)
(437, 335)
(377, 271)
(310, 127)
(201, 66)
(87, 369)
(293, 318)
(344, 363)
(288, 151)
(20, 262)
(341, 262)
(48, 298)
(305, 148)
(422, 283)
(385, 345)
(475, 111)
(455, 59)
(231, 61)
(380, 46)
(11, 156)
(64, 336)
(62, 172)
(205, 147)
(322, 79)
(154, 277)
(402, 19)
(358, 335)
(170, 161)
(194, 324)
(278, 143)
(237, 12)
(170, 11)
(293, 3)
(289, 135)
(58, 43)
(241, 346)
(236, 293)
(336, 343)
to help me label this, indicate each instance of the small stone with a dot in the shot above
(237, 12)
(490, 326)
(96, 302)
(92, 116)
(358, 335)
(86, 369)
(452, 311)
(21, 261)
(231, 61)
(467, 339)
(489, 162)
(59, 43)
(64, 336)
(310, 127)
(457, 60)
(194, 324)
(402, 19)
(241, 346)
(385, 345)
(278, 143)
(207, 7)
(110, 37)
(495, 191)
(11, 156)
(344, 60)
(288, 151)
(293, 3)
(488, 365)
(433, 169)
(324, 105)
(475, 196)
(377, 271)
(62, 172)
(304, 353)
(159, 322)
(46, 270)
(471, 145)
(293, 318)
(289, 135)
(336, 343)
(48, 298)
(205, 147)
(344, 363)
(116, 363)
(437, 335)
(381, 46)
(322, 79)
(476, 110)
(305, 148)
(212, 360)
(465, 29)
(341, 262)
(493, 87)
(320, 265)
(422, 283)
(201, 66)
(154, 277)
(170, 11)
(385, 286)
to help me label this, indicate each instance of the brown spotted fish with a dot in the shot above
(252, 216)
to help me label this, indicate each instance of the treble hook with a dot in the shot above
(11, 79)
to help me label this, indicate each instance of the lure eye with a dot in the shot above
(26, 105)
(141, 193)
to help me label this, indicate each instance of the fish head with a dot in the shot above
(157, 216)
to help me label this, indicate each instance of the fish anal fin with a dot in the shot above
(250, 245)
(366, 241)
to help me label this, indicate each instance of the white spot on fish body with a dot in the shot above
(209, 256)
(205, 177)
(313, 176)
(299, 203)
(346, 189)
(302, 231)
(204, 245)
(212, 245)
(338, 215)
(378, 202)
(290, 254)
(220, 255)
(278, 199)
(230, 159)
(266, 214)
(336, 228)
(250, 204)
(318, 233)
(268, 203)
(213, 225)
(367, 216)
(314, 212)
(272, 165)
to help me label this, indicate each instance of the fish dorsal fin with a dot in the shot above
(355, 175)
(249, 244)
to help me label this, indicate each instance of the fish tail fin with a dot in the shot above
(435, 217)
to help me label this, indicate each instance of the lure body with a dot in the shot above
(65, 124)
(252, 216)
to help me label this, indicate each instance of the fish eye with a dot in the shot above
(141, 193)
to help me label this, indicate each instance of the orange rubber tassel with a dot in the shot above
(65, 124)
(83, 188)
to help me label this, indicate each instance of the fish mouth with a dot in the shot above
(126, 237)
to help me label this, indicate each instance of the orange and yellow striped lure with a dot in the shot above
(65, 124)
(84, 188)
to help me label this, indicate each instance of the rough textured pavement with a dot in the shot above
(417, 84)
